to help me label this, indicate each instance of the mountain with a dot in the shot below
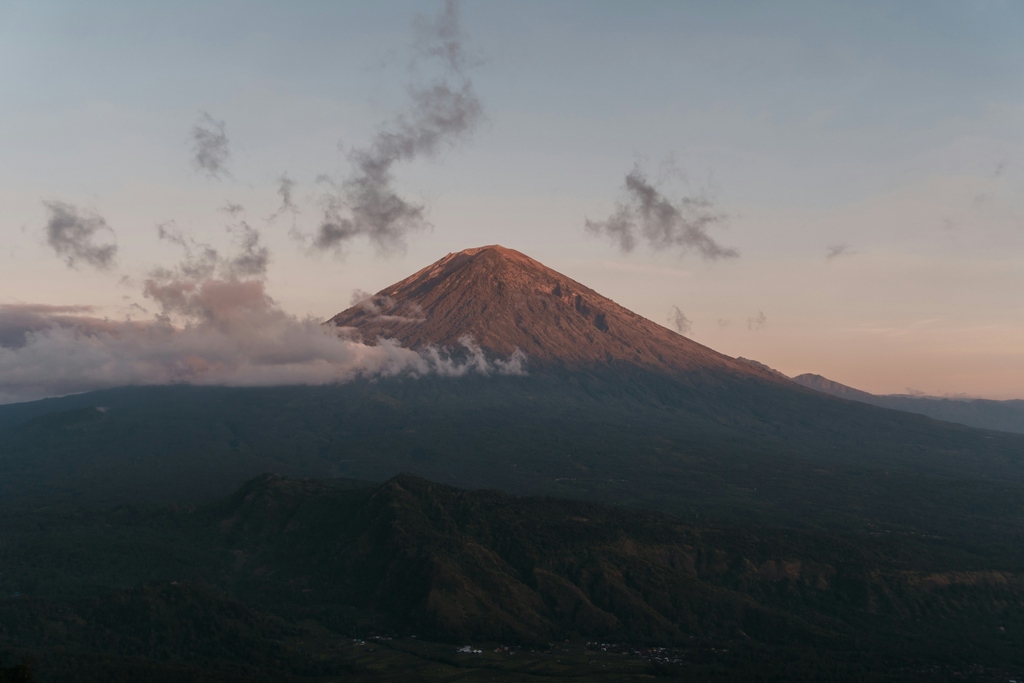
(1007, 416)
(610, 407)
(508, 302)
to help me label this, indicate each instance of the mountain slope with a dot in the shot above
(1007, 416)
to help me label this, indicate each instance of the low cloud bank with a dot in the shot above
(235, 335)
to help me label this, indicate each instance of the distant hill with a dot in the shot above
(1007, 416)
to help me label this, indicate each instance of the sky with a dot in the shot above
(834, 188)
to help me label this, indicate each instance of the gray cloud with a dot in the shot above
(252, 258)
(360, 297)
(757, 322)
(439, 114)
(72, 234)
(682, 324)
(285, 187)
(19, 321)
(646, 215)
(210, 150)
(724, 322)
(837, 250)
(176, 290)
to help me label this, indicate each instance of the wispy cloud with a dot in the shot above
(439, 114)
(646, 215)
(73, 233)
(757, 322)
(676, 318)
(210, 150)
(837, 250)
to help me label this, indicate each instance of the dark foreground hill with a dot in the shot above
(1007, 416)
(275, 581)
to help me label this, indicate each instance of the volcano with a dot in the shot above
(612, 408)
(506, 301)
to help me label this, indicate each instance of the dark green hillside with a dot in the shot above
(275, 581)
(735, 450)
(483, 565)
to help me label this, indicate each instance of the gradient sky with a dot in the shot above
(892, 130)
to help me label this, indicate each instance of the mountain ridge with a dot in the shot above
(1006, 416)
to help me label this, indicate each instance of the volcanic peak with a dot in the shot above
(507, 301)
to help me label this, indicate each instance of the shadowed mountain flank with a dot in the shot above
(506, 301)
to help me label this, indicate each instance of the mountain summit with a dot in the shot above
(506, 300)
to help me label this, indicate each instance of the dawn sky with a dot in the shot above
(868, 159)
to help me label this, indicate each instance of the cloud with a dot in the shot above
(236, 335)
(757, 322)
(72, 234)
(252, 258)
(443, 363)
(18, 321)
(439, 114)
(210, 150)
(387, 308)
(837, 250)
(285, 188)
(646, 215)
(682, 324)
(214, 331)
(724, 322)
